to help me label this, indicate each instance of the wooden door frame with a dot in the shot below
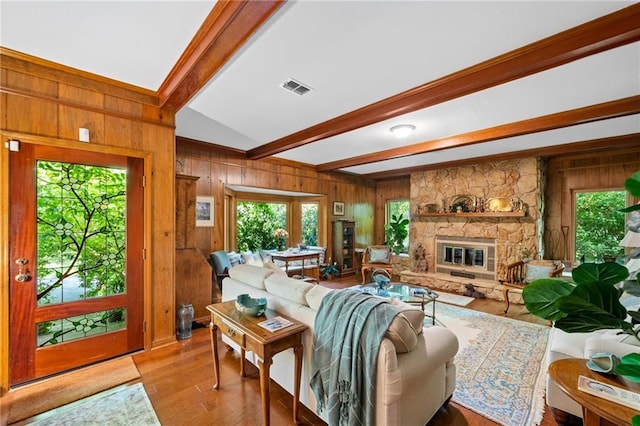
(146, 157)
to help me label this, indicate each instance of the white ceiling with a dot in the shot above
(351, 53)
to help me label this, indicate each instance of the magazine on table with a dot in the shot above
(274, 324)
(609, 392)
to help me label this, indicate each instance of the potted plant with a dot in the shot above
(396, 232)
(329, 270)
(591, 300)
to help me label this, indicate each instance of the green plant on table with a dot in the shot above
(396, 232)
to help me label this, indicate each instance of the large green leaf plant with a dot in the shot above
(590, 301)
(396, 232)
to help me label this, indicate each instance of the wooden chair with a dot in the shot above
(519, 274)
(376, 257)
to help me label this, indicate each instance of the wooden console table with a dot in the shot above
(595, 410)
(245, 331)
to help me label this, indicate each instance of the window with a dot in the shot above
(599, 225)
(309, 223)
(256, 223)
(397, 208)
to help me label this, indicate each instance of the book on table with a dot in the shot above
(609, 392)
(276, 323)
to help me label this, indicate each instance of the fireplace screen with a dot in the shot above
(465, 256)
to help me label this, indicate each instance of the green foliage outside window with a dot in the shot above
(599, 225)
(310, 224)
(397, 225)
(256, 223)
(81, 238)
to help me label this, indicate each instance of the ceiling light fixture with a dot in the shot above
(402, 130)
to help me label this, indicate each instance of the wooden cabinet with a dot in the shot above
(193, 272)
(344, 250)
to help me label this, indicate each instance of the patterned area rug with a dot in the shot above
(500, 365)
(124, 405)
(454, 299)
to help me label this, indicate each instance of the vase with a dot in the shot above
(185, 319)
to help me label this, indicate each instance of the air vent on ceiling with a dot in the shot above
(296, 87)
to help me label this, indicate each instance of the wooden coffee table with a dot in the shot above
(245, 331)
(595, 410)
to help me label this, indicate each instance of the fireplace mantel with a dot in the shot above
(470, 214)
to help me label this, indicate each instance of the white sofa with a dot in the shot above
(410, 386)
(580, 345)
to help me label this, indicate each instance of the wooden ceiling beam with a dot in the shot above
(227, 27)
(609, 143)
(607, 32)
(603, 111)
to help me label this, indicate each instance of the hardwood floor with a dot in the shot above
(179, 377)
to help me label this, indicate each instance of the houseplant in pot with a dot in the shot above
(396, 232)
(590, 301)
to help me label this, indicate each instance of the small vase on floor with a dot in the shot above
(185, 320)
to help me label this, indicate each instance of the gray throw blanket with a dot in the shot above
(348, 330)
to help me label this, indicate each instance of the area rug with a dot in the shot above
(121, 406)
(44, 395)
(454, 299)
(500, 365)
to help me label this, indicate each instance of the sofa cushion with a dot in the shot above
(379, 255)
(288, 288)
(250, 258)
(413, 313)
(402, 334)
(535, 272)
(612, 342)
(275, 268)
(251, 275)
(315, 295)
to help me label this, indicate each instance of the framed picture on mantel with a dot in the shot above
(204, 211)
(338, 208)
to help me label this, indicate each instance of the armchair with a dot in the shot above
(376, 257)
(220, 265)
(519, 274)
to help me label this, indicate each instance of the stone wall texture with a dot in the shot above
(520, 179)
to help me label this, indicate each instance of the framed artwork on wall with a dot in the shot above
(338, 208)
(204, 211)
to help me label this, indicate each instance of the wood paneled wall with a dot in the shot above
(392, 189)
(605, 170)
(45, 103)
(217, 167)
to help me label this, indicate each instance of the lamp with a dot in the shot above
(402, 130)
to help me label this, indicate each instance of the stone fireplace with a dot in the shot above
(466, 257)
(474, 245)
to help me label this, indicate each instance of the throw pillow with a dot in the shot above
(252, 258)
(402, 334)
(535, 272)
(275, 268)
(379, 255)
(413, 313)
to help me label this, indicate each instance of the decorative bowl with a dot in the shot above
(250, 306)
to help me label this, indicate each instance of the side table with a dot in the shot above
(245, 331)
(595, 410)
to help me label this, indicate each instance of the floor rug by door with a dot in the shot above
(500, 365)
(124, 405)
(44, 395)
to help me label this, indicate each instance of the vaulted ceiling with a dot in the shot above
(477, 79)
